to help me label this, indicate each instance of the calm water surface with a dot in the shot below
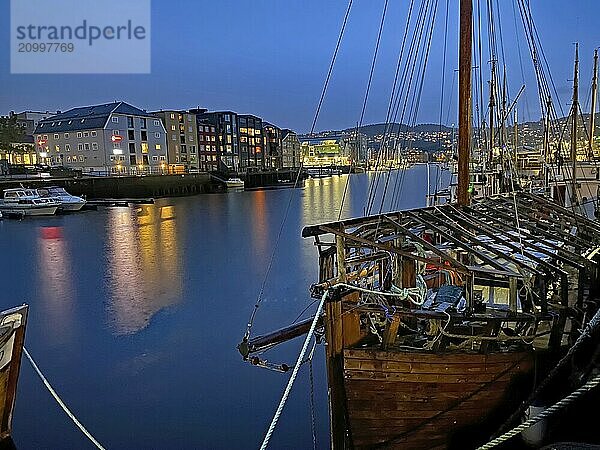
(136, 313)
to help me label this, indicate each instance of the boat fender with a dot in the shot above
(534, 435)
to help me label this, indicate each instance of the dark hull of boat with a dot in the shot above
(424, 400)
(12, 337)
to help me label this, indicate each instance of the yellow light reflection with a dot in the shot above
(144, 265)
(323, 197)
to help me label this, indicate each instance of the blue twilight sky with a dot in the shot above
(270, 57)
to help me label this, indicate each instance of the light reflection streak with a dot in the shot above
(56, 281)
(144, 273)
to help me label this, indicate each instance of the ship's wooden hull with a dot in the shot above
(12, 337)
(421, 400)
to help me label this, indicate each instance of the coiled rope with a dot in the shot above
(61, 403)
(290, 382)
(594, 382)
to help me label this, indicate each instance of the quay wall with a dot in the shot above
(154, 186)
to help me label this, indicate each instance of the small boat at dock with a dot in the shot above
(235, 184)
(68, 202)
(23, 202)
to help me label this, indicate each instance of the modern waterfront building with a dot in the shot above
(207, 144)
(323, 152)
(225, 125)
(290, 149)
(273, 146)
(182, 139)
(109, 138)
(251, 145)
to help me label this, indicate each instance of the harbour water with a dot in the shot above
(136, 313)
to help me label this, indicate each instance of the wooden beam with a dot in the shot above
(392, 249)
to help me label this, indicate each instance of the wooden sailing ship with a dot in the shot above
(439, 320)
(12, 338)
(440, 314)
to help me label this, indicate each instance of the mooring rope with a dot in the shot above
(290, 382)
(61, 403)
(594, 382)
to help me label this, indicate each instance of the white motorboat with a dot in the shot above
(235, 184)
(27, 202)
(68, 202)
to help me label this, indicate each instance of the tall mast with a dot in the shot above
(593, 108)
(464, 100)
(575, 111)
(546, 155)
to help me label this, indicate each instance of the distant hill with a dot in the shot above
(379, 128)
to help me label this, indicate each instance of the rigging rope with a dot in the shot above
(291, 196)
(61, 403)
(366, 98)
(290, 382)
(587, 387)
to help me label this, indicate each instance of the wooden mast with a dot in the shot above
(464, 100)
(575, 111)
(593, 107)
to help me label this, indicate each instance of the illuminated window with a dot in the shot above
(172, 116)
(157, 146)
(80, 158)
(144, 147)
(57, 148)
(229, 139)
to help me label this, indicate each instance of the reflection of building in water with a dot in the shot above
(144, 265)
(322, 199)
(260, 226)
(56, 281)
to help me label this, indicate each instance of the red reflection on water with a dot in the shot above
(51, 232)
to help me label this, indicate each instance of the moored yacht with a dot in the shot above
(27, 202)
(235, 184)
(68, 202)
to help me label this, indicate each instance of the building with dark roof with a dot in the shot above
(111, 138)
